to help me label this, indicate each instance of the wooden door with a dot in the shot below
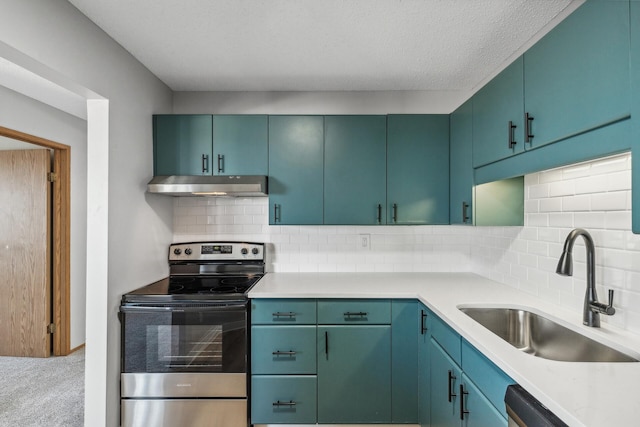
(25, 270)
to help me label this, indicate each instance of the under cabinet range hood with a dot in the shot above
(229, 186)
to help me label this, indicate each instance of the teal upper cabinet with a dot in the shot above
(201, 144)
(296, 146)
(240, 145)
(355, 170)
(577, 76)
(182, 144)
(498, 116)
(460, 165)
(417, 169)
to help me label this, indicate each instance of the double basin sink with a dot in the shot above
(542, 337)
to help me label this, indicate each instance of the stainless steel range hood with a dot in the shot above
(230, 186)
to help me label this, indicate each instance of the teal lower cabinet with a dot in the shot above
(445, 379)
(283, 349)
(367, 361)
(467, 390)
(354, 374)
(424, 366)
(283, 399)
(404, 361)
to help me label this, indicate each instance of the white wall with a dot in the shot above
(56, 35)
(595, 196)
(30, 116)
(383, 102)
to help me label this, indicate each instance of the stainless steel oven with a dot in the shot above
(184, 339)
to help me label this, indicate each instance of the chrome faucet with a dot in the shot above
(592, 307)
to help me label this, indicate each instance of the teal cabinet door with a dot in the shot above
(424, 366)
(577, 76)
(404, 361)
(417, 169)
(446, 377)
(355, 170)
(240, 145)
(296, 146)
(283, 399)
(461, 165)
(283, 349)
(354, 374)
(476, 409)
(487, 376)
(498, 116)
(182, 144)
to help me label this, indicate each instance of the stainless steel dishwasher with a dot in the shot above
(525, 411)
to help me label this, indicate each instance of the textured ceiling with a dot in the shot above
(312, 45)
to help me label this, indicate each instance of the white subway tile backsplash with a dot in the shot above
(594, 195)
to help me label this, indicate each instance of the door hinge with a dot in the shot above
(52, 176)
(51, 328)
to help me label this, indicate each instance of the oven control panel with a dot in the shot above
(216, 251)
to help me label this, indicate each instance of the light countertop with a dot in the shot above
(581, 394)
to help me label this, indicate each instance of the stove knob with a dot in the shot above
(187, 251)
(255, 251)
(244, 251)
(177, 251)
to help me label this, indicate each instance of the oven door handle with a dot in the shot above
(208, 309)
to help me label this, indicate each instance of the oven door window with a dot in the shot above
(184, 340)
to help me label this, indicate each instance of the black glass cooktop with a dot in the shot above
(197, 288)
(213, 285)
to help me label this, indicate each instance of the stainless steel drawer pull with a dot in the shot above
(355, 313)
(289, 403)
(284, 314)
(284, 353)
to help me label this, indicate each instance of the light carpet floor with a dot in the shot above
(38, 392)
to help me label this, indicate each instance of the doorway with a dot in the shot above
(60, 177)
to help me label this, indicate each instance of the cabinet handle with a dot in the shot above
(451, 379)
(220, 163)
(289, 314)
(205, 163)
(528, 136)
(355, 313)
(284, 353)
(379, 213)
(326, 344)
(423, 322)
(462, 394)
(512, 142)
(276, 213)
(465, 216)
(395, 212)
(289, 403)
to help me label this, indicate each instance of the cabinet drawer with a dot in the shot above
(283, 399)
(283, 311)
(350, 312)
(448, 339)
(487, 376)
(283, 349)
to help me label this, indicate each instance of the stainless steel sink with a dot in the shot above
(542, 337)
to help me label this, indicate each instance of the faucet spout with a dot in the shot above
(592, 307)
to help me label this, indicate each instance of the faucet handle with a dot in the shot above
(610, 311)
(607, 309)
